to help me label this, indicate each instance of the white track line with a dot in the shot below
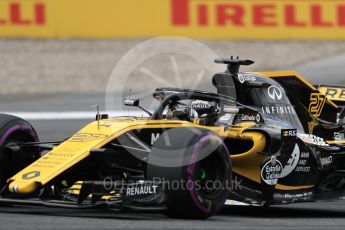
(71, 115)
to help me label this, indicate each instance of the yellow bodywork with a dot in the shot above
(96, 135)
(91, 136)
(78, 148)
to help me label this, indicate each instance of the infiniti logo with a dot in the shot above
(275, 93)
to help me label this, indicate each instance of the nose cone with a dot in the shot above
(23, 187)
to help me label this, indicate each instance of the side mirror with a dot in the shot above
(135, 103)
(132, 102)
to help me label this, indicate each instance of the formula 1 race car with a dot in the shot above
(263, 139)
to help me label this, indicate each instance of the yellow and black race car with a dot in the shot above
(265, 138)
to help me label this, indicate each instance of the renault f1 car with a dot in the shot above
(264, 138)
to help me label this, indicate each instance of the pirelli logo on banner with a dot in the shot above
(22, 13)
(259, 13)
(208, 19)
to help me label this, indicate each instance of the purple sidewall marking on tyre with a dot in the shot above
(16, 128)
(190, 171)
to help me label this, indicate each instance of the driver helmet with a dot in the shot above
(204, 111)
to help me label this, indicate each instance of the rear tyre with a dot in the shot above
(13, 131)
(198, 180)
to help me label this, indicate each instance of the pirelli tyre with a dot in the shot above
(13, 131)
(195, 167)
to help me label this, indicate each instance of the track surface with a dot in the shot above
(297, 216)
(306, 216)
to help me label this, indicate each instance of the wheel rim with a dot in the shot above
(210, 175)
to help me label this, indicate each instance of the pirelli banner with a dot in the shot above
(214, 19)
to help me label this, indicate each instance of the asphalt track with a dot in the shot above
(302, 216)
(297, 216)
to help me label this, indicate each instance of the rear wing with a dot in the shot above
(334, 93)
(337, 95)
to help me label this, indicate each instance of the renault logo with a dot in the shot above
(31, 175)
(275, 93)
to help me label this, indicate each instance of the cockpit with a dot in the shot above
(240, 98)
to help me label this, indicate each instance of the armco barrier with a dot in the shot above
(214, 19)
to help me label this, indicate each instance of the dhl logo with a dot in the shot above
(11, 13)
(239, 13)
(317, 102)
(333, 93)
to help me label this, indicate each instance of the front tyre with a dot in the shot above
(13, 131)
(198, 179)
